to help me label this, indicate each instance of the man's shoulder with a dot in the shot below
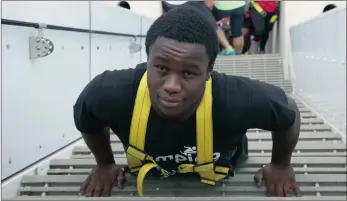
(121, 80)
(112, 86)
(237, 92)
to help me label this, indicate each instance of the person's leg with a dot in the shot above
(268, 27)
(258, 23)
(218, 15)
(236, 24)
(246, 32)
(263, 41)
(223, 40)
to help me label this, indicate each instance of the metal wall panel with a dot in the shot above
(38, 95)
(110, 53)
(61, 13)
(114, 19)
(319, 65)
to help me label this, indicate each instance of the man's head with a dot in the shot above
(329, 7)
(181, 46)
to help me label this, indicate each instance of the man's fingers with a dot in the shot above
(258, 178)
(107, 190)
(270, 192)
(121, 179)
(279, 190)
(287, 190)
(296, 190)
(97, 190)
(90, 189)
(84, 186)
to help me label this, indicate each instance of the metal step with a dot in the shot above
(319, 161)
(267, 68)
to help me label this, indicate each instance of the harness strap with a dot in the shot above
(260, 10)
(141, 163)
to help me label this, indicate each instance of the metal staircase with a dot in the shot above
(319, 158)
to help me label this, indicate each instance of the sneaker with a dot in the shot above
(228, 53)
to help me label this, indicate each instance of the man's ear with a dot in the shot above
(209, 72)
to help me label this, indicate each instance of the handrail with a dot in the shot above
(63, 28)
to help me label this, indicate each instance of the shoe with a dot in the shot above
(229, 53)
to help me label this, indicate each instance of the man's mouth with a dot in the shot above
(169, 102)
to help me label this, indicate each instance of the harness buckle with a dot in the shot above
(204, 167)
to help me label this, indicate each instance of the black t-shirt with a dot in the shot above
(239, 104)
(205, 11)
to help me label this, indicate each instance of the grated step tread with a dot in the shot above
(236, 198)
(319, 161)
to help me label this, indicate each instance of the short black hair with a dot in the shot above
(185, 24)
(329, 7)
(124, 4)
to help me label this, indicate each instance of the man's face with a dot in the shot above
(176, 74)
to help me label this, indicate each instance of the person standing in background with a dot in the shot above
(234, 10)
(260, 17)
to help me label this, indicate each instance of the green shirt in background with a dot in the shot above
(228, 5)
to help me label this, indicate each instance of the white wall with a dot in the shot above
(152, 9)
(319, 65)
(293, 13)
(38, 95)
(301, 11)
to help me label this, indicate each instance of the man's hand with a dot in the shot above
(280, 180)
(101, 179)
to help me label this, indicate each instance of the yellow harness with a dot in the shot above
(262, 12)
(140, 163)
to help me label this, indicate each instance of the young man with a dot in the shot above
(168, 106)
(234, 10)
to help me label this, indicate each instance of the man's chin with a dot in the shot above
(169, 112)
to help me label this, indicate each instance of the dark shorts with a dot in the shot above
(236, 19)
(247, 23)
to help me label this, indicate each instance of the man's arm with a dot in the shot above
(103, 102)
(269, 108)
(284, 141)
(99, 144)
(92, 121)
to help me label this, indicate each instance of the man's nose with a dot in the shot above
(172, 84)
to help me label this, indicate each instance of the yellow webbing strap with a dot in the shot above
(204, 130)
(140, 115)
(257, 7)
(273, 19)
(139, 162)
(262, 12)
(204, 137)
(141, 176)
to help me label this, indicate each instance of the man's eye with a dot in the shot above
(162, 68)
(189, 74)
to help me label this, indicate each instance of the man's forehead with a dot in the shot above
(190, 48)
